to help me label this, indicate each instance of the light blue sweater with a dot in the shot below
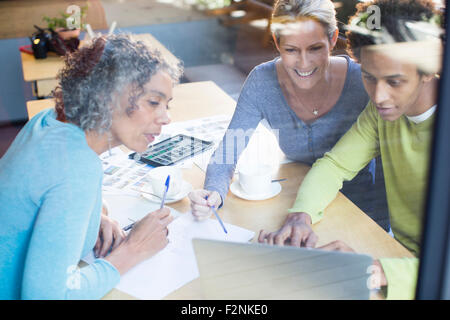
(50, 207)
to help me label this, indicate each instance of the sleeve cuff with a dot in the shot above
(401, 275)
(113, 275)
(314, 217)
(222, 196)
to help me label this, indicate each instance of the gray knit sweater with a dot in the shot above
(262, 98)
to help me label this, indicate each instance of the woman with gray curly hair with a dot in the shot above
(113, 92)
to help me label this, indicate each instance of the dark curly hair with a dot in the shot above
(392, 13)
(95, 74)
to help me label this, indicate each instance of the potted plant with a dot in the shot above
(60, 26)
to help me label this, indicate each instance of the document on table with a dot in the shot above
(175, 265)
(208, 128)
(123, 175)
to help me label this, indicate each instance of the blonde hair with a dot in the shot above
(290, 11)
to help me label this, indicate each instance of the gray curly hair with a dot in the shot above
(94, 76)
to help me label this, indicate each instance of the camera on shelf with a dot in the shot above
(40, 43)
(44, 40)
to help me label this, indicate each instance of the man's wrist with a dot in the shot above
(300, 217)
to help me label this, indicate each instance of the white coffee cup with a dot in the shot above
(158, 178)
(255, 179)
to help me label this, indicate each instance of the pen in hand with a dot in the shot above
(213, 208)
(128, 227)
(165, 191)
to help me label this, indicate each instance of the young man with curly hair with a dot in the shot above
(396, 124)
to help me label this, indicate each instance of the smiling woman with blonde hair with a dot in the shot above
(309, 96)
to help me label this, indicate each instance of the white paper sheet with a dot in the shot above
(126, 209)
(175, 265)
(208, 128)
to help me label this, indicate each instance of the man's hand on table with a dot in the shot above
(296, 231)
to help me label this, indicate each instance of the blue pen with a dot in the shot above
(128, 227)
(217, 217)
(165, 191)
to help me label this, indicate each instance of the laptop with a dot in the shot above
(253, 271)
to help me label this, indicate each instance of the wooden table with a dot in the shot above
(42, 72)
(342, 221)
(191, 101)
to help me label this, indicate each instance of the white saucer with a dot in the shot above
(186, 187)
(236, 189)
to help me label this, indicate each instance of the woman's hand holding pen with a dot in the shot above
(147, 237)
(200, 207)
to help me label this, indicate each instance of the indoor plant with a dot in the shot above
(59, 24)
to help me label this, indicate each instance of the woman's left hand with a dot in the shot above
(109, 236)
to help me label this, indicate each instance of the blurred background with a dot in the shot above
(218, 40)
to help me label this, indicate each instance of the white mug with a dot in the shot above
(158, 178)
(255, 179)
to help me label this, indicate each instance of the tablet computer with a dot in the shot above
(172, 150)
